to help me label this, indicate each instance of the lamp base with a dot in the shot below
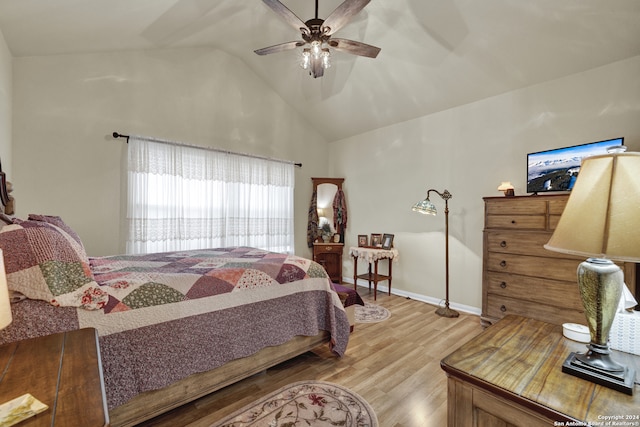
(447, 312)
(621, 381)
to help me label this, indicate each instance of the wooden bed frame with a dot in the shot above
(152, 403)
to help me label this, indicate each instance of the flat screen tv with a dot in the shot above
(557, 169)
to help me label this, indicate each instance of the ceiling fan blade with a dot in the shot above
(279, 48)
(286, 14)
(354, 48)
(343, 13)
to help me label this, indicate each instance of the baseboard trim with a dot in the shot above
(418, 297)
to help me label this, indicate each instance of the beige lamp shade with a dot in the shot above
(602, 216)
(505, 185)
(5, 304)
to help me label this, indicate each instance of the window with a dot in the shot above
(183, 197)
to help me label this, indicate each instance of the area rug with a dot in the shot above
(371, 313)
(305, 403)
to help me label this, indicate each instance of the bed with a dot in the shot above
(172, 326)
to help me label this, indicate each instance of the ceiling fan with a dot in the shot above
(316, 33)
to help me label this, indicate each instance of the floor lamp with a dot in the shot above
(428, 208)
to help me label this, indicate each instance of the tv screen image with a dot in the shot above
(557, 169)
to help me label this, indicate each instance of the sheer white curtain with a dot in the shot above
(183, 197)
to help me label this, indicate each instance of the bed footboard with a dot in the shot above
(153, 403)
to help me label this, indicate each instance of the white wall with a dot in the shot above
(469, 150)
(67, 106)
(6, 99)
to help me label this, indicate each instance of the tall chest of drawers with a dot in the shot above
(519, 275)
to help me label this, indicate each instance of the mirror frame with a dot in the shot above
(335, 181)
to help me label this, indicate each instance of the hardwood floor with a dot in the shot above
(394, 365)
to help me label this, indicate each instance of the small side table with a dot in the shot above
(62, 371)
(372, 256)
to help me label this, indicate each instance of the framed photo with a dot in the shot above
(387, 241)
(376, 240)
(363, 240)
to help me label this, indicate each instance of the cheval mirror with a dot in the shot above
(328, 206)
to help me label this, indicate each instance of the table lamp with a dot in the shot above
(601, 220)
(426, 207)
(507, 188)
(5, 304)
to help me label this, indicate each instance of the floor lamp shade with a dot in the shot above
(601, 221)
(5, 305)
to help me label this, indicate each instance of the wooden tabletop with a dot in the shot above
(62, 371)
(520, 359)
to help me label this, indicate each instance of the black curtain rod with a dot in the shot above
(120, 135)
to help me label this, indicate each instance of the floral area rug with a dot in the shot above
(371, 313)
(305, 403)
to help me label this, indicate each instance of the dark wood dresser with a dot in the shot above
(511, 375)
(329, 255)
(519, 275)
(62, 371)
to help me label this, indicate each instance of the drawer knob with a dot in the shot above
(503, 244)
(503, 285)
(328, 248)
(513, 221)
(503, 263)
(503, 308)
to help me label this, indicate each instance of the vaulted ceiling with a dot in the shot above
(436, 54)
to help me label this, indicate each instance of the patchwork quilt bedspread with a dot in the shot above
(138, 281)
(170, 315)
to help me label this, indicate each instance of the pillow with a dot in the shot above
(63, 228)
(58, 222)
(43, 262)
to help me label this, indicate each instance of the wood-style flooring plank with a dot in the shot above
(394, 365)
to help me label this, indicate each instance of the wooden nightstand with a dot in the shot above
(329, 255)
(61, 370)
(511, 374)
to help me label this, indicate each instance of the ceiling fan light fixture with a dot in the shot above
(326, 58)
(316, 48)
(306, 59)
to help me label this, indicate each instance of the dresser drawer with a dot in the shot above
(522, 222)
(327, 248)
(523, 243)
(549, 268)
(499, 306)
(535, 289)
(518, 243)
(505, 206)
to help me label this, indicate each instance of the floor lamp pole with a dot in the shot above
(446, 311)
